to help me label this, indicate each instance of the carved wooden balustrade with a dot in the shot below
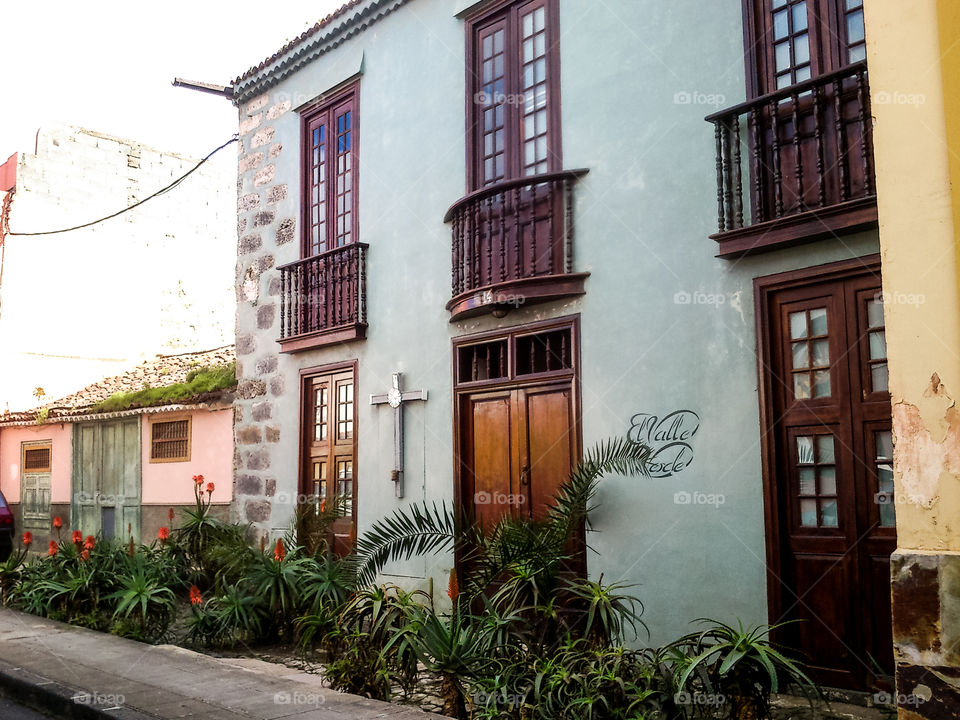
(323, 298)
(796, 164)
(513, 244)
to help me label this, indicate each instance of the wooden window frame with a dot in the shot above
(824, 56)
(305, 426)
(508, 11)
(324, 107)
(36, 445)
(168, 419)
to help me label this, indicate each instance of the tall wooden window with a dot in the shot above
(329, 450)
(329, 164)
(513, 78)
(800, 39)
(170, 440)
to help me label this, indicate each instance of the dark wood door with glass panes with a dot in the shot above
(330, 452)
(833, 478)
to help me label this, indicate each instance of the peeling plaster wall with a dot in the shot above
(917, 240)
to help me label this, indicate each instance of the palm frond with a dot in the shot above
(417, 530)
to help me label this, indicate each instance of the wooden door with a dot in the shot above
(35, 486)
(832, 467)
(330, 451)
(518, 446)
(107, 479)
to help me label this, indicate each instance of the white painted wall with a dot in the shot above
(82, 305)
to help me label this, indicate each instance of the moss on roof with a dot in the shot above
(199, 382)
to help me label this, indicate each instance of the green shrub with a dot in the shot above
(198, 382)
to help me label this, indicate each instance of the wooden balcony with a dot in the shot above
(513, 245)
(323, 299)
(796, 165)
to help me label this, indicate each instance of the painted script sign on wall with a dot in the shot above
(670, 437)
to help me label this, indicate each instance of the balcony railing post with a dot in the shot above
(756, 140)
(568, 225)
(864, 133)
(797, 150)
(284, 303)
(738, 175)
(818, 140)
(841, 142)
(775, 149)
(718, 136)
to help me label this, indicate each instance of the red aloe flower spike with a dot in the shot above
(89, 542)
(170, 514)
(27, 539)
(453, 589)
(164, 534)
(57, 522)
(279, 552)
(77, 537)
(196, 597)
(53, 549)
(85, 555)
(210, 487)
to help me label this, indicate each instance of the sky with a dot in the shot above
(108, 66)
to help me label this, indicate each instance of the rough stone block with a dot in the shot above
(249, 244)
(262, 137)
(265, 175)
(277, 110)
(275, 150)
(266, 315)
(264, 218)
(261, 411)
(258, 460)
(286, 230)
(257, 510)
(272, 434)
(246, 344)
(249, 485)
(257, 104)
(248, 202)
(277, 386)
(250, 123)
(267, 365)
(249, 435)
(273, 289)
(276, 194)
(264, 263)
(270, 487)
(249, 389)
(251, 161)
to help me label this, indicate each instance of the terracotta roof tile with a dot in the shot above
(307, 34)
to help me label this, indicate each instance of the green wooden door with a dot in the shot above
(106, 478)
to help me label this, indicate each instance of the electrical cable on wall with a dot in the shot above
(166, 189)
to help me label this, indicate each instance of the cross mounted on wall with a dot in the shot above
(395, 397)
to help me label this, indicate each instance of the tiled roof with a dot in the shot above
(162, 371)
(307, 34)
(351, 18)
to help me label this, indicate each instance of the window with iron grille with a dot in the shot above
(36, 458)
(170, 440)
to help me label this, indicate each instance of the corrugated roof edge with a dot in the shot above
(353, 17)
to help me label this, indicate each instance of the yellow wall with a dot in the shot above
(916, 154)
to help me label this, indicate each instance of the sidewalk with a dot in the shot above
(77, 673)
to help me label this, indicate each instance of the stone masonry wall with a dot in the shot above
(266, 220)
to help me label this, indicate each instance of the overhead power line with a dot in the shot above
(166, 189)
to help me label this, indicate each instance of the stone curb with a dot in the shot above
(43, 695)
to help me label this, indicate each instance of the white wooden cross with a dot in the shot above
(395, 397)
